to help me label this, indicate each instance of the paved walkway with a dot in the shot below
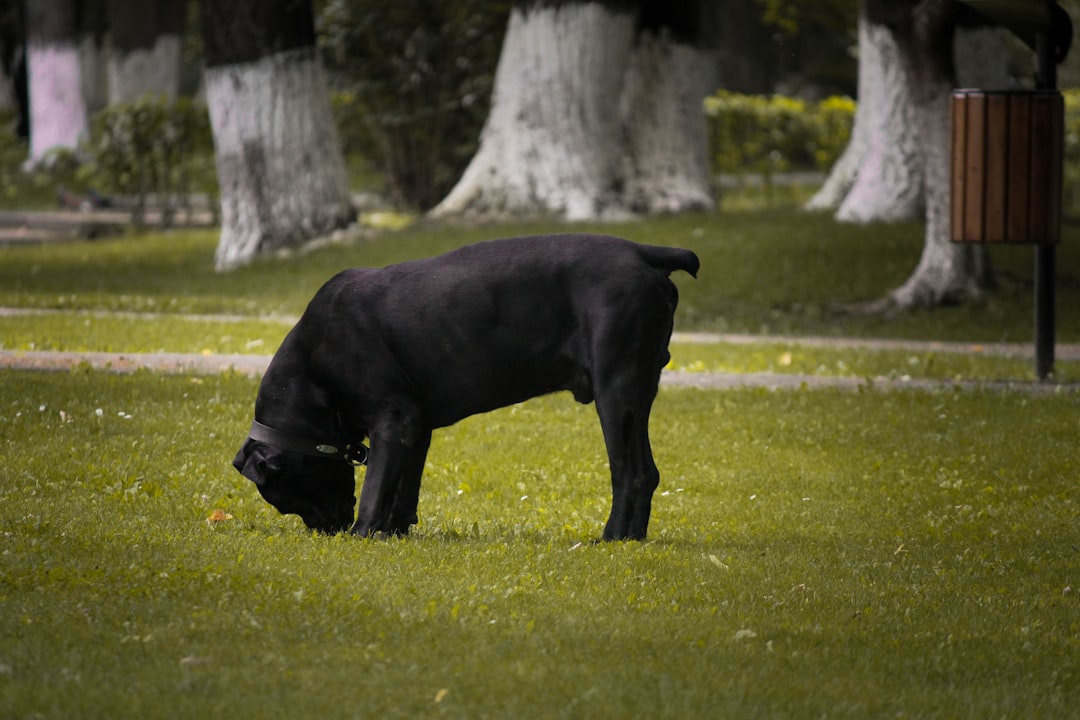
(256, 365)
(1064, 351)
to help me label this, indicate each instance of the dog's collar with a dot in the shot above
(352, 453)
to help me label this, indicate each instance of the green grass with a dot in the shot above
(105, 332)
(767, 271)
(784, 357)
(812, 553)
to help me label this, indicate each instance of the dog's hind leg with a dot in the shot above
(624, 401)
(634, 476)
(630, 348)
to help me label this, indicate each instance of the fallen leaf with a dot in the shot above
(439, 696)
(218, 516)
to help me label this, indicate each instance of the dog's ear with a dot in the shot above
(252, 461)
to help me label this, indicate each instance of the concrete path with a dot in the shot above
(256, 364)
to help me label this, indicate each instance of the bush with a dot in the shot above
(152, 146)
(768, 135)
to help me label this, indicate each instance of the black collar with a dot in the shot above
(352, 453)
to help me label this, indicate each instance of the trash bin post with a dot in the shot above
(1045, 254)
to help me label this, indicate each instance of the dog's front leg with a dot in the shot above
(403, 510)
(393, 447)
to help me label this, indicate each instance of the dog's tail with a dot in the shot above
(670, 259)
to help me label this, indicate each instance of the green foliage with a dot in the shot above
(26, 189)
(417, 78)
(768, 135)
(153, 146)
(813, 553)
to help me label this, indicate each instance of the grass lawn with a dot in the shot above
(767, 271)
(764, 271)
(812, 553)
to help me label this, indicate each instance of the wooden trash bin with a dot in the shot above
(1007, 150)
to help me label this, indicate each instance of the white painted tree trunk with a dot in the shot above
(879, 176)
(279, 161)
(888, 184)
(550, 143)
(665, 166)
(153, 71)
(57, 109)
(950, 272)
(92, 60)
(947, 272)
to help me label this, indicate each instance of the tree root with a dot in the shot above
(885, 307)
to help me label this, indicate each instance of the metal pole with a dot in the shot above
(1045, 79)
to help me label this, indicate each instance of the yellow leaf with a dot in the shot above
(218, 516)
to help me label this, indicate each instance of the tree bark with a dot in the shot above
(947, 272)
(596, 113)
(878, 177)
(144, 49)
(279, 162)
(888, 186)
(549, 146)
(57, 108)
(665, 165)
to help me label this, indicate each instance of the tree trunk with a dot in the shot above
(279, 162)
(144, 53)
(57, 109)
(947, 272)
(888, 186)
(879, 176)
(665, 166)
(550, 143)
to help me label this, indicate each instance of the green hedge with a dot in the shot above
(772, 134)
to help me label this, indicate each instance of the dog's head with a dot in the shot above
(319, 490)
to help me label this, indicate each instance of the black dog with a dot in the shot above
(392, 353)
